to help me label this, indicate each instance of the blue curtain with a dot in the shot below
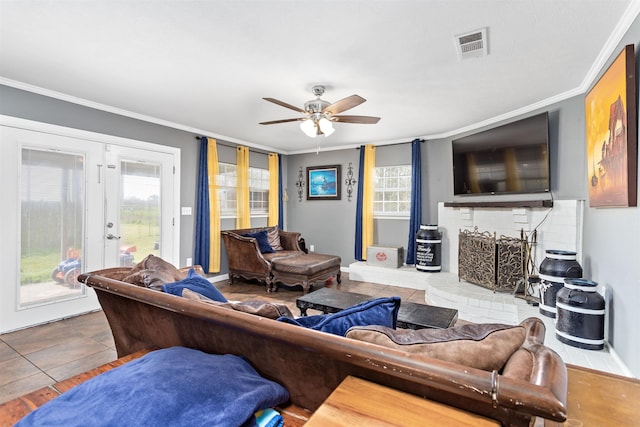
(201, 254)
(358, 245)
(280, 194)
(416, 201)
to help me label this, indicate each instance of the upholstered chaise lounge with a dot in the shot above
(273, 256)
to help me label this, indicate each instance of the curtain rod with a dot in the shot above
(396, 143)
(236, 146)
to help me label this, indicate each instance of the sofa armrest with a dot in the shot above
(243, 253)
(289, 240)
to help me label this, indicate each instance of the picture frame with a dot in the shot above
(612, 136)
(323, 182)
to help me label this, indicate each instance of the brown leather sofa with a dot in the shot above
(288, 264)
(311, 364)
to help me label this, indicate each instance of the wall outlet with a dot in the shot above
(189, 262)
(312, 248)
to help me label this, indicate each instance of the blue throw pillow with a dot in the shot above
(380, 311)
(196, 283)
(263, 241)
(175, 386)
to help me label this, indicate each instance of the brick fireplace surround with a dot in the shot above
(559, 228)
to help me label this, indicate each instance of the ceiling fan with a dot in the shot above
(319, 114)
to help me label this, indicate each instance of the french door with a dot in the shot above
(74, 203)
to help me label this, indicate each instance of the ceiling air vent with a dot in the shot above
(472, 45)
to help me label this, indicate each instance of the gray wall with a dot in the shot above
(329, 225)
(610, 250)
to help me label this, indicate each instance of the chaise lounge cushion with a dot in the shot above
(380, 311)
(196, 283)
(484, 346)
(306, 264)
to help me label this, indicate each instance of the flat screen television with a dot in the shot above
(509, 159)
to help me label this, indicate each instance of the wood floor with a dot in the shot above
(43, 355)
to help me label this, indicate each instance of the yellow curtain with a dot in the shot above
(368, 187)
(273, 190)
(214, 206)
(243, 213)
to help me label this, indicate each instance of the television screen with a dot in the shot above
(509, 159)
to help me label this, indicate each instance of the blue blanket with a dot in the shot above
(379, 311)
(173, 387)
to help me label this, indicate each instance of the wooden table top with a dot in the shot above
(596, 398)
(357, 402)
(411, 315)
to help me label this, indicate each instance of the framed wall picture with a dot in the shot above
(323, 182)
(611, 135)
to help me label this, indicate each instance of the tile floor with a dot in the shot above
(42, 355)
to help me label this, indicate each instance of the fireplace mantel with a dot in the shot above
(547, 203)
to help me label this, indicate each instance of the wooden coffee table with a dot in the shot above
(410, 315)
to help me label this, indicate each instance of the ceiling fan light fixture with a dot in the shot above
(326, 126)
(309, 128)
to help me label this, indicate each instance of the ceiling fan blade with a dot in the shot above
(285, 105)
(366, 120)
(344, 104)
(275, 122)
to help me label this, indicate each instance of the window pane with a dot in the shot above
(52, 221)
(139, 211)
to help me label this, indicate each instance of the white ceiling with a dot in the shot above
(204, 66)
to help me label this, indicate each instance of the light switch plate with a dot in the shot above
(186, 210)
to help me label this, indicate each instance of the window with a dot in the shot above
(259, 191)
(227, 190)
(392, 194)
(227, 184)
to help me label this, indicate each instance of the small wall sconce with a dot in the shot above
(300, 184)
(350, 181)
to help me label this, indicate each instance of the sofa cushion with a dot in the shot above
(484, 346)
(258, 307)
(150, 278)
(196, 283)
(263, 241)
(273, 234)
(152, 262)
(379, 311)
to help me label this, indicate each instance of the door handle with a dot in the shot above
(111, 237)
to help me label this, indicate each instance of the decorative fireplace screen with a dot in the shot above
(497, 264)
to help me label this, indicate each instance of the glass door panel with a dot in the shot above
(140, 211)
(50, 223)
(52, 197)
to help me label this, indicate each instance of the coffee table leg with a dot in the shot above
(303, 306)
